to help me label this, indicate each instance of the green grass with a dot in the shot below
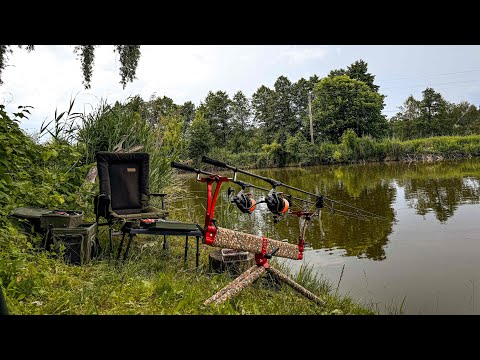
(152, 281)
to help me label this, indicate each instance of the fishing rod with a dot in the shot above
(235, 169)
(243, 201)
(275, 202)
(275, 183)
(184, 167)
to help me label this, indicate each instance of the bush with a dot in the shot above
(272, 155)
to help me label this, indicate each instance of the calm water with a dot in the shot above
(426, 253)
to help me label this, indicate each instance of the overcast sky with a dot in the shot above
(47, 77)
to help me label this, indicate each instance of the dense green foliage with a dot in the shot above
(47, 175)
(342, 103)
(298, 151)
(434, 116)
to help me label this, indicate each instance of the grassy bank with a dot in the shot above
(153, 281)
(352, 148)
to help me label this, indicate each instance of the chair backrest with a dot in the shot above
(124, 177)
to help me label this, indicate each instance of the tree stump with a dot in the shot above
(232, 261)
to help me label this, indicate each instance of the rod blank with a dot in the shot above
(189, 168)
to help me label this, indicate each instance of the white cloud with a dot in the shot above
(300, 54)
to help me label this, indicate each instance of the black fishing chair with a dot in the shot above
(124, 199)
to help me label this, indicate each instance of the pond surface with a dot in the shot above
(423, 256)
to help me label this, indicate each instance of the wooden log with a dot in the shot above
(237, 240)
(230, 285)
(309, 295)
(234, 288)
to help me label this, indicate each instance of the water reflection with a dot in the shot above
(441, 196)
(428, 188)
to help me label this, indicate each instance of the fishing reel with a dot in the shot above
(245, 202)
(278, 204)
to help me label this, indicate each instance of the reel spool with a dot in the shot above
(276, 203)
(245, 202)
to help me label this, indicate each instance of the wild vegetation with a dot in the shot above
(153, 281)
(271, 129)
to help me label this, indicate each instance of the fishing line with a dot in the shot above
(349, 214)
(356, 208)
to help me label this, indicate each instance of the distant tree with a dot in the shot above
(431, 116)
(284, 119)
(263, 103)
(157, 107)
(200, 139)
(300, 91)
(343, 103)
(465, 118)
(434, 119)
(129, 56)
(240, 124)
(216, 109)
(404, 125)
(187, 111)
(241, 110)
(358, 71)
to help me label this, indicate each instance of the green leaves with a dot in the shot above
(129, 56)
(48, 153)
(434, 116)
(201, 138)
(86, 53)
(342, 103)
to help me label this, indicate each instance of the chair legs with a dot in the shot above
(110, 236)
(129, 242)
(197, 255)
(130, 237)
(165, 247)
(119, 250)
(186, 250)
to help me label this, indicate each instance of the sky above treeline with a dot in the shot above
(49, 76)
